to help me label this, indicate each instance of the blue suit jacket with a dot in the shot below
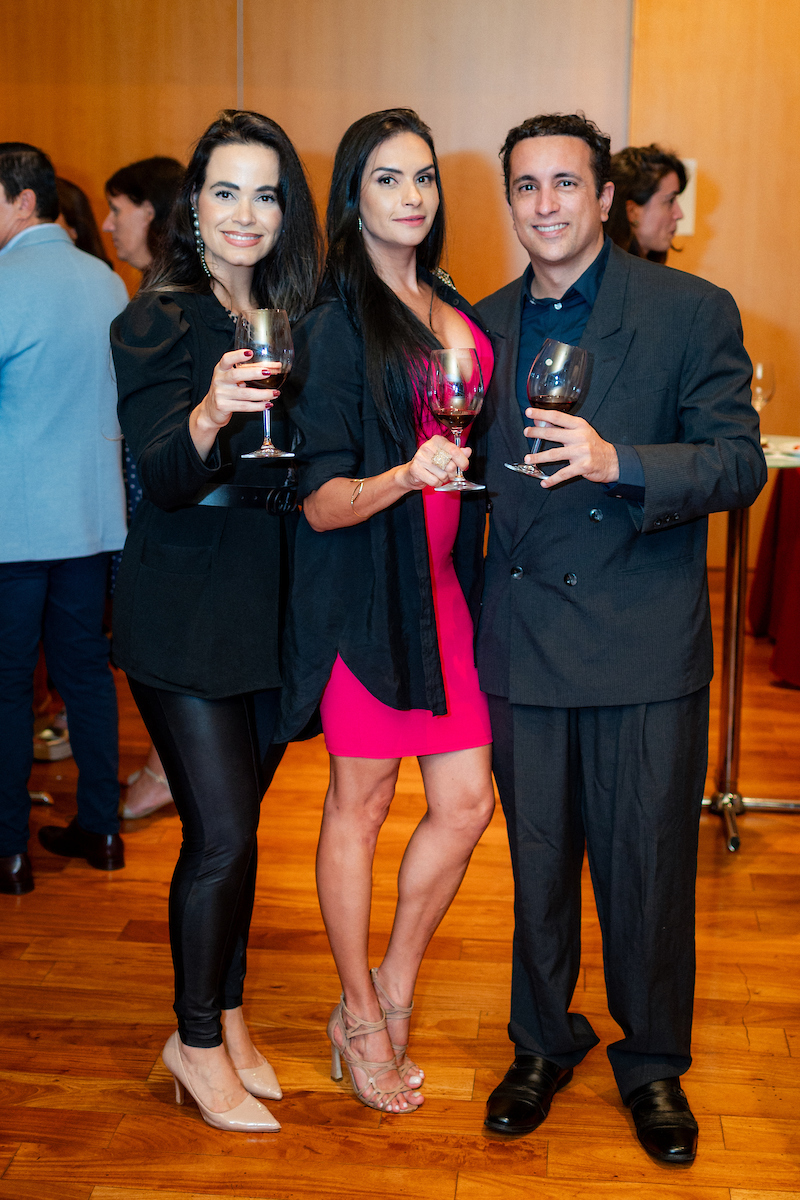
(61, 489)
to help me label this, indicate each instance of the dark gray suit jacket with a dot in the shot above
(590, 599)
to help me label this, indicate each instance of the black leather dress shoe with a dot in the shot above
(102, 850)
(16, 876)
(522, 1101)
(664, 1121)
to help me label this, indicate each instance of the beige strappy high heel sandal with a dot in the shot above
(381, 1098)
(395, 1012)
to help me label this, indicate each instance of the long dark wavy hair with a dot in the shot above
(288, 276)
(637, 171)
(77, 212)
(396, 342)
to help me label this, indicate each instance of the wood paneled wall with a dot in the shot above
(100, 83)
(719, 82)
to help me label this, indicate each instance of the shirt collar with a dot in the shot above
(586, 287)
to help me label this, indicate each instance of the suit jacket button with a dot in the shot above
(676, 516)
(658, 523)
(596, 514)
(516, 572)
(570, 579)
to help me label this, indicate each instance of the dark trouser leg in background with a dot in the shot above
(632, 778)
(210, 753)
(60, 602)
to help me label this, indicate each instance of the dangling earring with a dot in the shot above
(359, 224)
(201, 249)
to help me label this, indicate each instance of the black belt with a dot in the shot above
(275, 500)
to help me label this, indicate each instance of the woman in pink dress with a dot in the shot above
(379, 620)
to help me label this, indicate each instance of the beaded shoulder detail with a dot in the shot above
(442, 275)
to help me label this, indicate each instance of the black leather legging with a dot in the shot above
(218, 761)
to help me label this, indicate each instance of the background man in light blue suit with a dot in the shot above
(62, 510)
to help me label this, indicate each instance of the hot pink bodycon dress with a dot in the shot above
(355, 724)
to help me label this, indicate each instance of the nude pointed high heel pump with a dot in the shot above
(260, 1081)
(248, 1117)
(395, 1012)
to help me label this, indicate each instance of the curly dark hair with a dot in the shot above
(562, 125)
(287, 278)
(397, 345)
(636, 172)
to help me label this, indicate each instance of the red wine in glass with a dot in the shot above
(556, 381)
(455, 391)
(267, 333)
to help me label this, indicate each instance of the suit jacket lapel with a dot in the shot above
(608, 341)
(503, 414)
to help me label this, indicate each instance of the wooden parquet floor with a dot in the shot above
(86, 1106)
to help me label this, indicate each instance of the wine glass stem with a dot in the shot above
(459, 476)
(267, 427)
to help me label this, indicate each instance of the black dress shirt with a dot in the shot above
(565, 320)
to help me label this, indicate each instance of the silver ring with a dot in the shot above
(441, 458)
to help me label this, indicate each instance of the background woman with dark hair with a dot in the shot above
(645, 211)
(200, 586)
(380, 623)
(75, 214)
(140, 198)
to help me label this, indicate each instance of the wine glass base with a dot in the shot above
(526, 469)
(270, 452)
(461, 485)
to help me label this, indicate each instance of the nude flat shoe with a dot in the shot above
(126, 813)
(261, 1081)
(251, 1116)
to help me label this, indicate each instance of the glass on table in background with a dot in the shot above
(266, 331)
(556, 380)
(763, 384)
(455, 391)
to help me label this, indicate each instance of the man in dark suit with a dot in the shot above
(595, 638)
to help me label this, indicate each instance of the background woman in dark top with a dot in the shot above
(388, 636)
(199, 589)
(645, 210)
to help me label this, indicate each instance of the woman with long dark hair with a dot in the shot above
(645, 210)
(196, 613)
(388, 638)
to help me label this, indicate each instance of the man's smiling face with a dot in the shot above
(557, 214)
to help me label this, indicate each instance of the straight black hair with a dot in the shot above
(288, 276)
(397, 344)
(637, 171)
(155, 179)
(24, 166)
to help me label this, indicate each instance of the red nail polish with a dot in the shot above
(266, 372)
(248, 353)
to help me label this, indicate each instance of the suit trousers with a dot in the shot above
(218, 760)
(60, 603)
(626, 784)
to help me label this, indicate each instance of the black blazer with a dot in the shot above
(196, 605)
(590, 599)
(365, 591)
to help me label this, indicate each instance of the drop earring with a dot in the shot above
(359, 224)
(201, 249)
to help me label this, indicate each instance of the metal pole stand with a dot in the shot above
(727, 799)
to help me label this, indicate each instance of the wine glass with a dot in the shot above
(455, 390)
(763, 384)
(267, 333)
(556, 380)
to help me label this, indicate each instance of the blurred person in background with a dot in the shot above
(645, 210)
(51, 737)
(76, 216)
(62, 511)
(140, 198)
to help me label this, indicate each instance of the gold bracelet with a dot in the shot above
(356, 492)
